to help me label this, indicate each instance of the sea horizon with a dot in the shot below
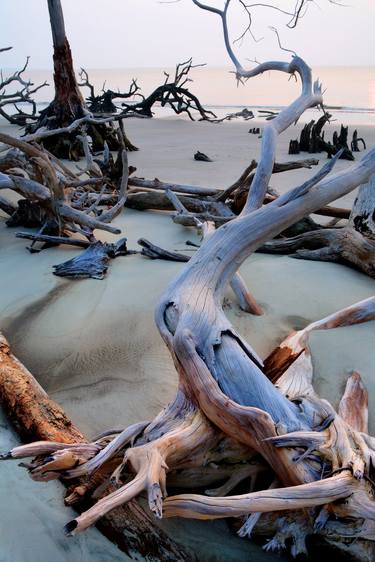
(349, 91)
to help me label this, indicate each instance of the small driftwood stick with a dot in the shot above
(155, 252)
(54, 239)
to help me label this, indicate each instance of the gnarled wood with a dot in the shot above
(226, 407)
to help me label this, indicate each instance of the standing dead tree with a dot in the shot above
(319, 462)
(16, 90)
(68, 106)
(173, 93)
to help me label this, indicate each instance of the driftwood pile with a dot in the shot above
(262, 422)
(301, 472)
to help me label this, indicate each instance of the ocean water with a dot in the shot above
(349, 91)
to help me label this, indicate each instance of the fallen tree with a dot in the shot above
(173, 93)
(226, 409)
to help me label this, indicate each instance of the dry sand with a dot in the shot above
(93, 344)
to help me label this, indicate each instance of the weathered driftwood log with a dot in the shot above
(180, 188)
(37, 417)
(33, 413)
(352, 245)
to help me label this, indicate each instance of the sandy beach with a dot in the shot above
(94, 347)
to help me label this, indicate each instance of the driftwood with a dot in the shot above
(225, 407)
(318, 463)
(245, 114)
(93, 262)
(201, 157)
(14, 90)
(105, 102)
(173, 93)
(354, 145)
(48, 188)
(155, 252)
(353, 244)
(37, 417)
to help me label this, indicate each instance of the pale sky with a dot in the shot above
(149, 33)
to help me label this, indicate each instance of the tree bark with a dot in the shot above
(68, 104)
